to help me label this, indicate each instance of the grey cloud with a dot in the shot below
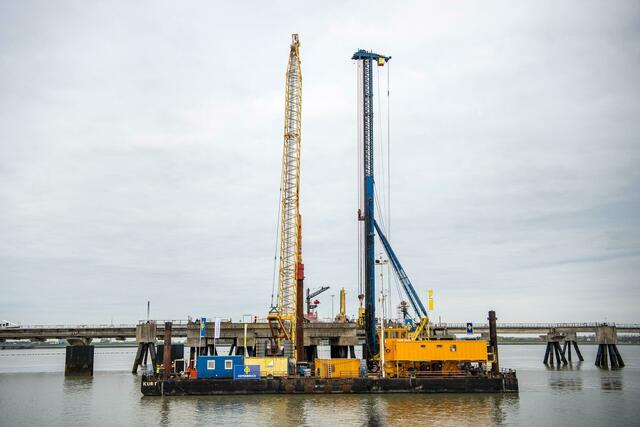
(140, 154)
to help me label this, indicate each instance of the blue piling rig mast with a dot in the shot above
(371, 226)
(367, 59)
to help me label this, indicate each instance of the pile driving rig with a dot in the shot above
(410, 348)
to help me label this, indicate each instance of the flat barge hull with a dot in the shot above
(152, 386)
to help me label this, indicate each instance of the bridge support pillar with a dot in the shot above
(261, 348)
(79, 360)
(553, 349)
(607, 338)
(311, 352)
(146, 338)
(339, 352)
(571, 339)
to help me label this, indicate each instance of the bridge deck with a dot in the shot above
(320, 330)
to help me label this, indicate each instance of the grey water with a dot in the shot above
(34, 391)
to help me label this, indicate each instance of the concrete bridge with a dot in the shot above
(84, 334)
(339, 333)
(342, 337)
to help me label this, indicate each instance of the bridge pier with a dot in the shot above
(311, 352)
(261, 348)
(570, 338)
(339, 352)
(607, 338)
(78, 360)
(146, 338)
(553, 349)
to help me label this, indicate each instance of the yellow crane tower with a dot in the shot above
(286, 317)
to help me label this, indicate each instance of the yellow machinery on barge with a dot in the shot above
(405, 356)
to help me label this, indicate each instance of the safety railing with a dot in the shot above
(343, 374)
(87, 326)
(275, 374)
(536, 325)
(174, 323)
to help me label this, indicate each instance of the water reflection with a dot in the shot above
(571, 366)
(335, 410)
(164, 411)
(566, 384)
(77, 391)
(374, 410)
(409, 409)
(77, 385)
(611, 381)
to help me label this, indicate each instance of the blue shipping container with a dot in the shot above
(217, 366)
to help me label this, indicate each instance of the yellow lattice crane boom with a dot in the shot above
(286, 318)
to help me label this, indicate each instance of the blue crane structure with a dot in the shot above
(366, 213)
(408, 288)
(367, 216)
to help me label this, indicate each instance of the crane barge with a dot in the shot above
(397, 357)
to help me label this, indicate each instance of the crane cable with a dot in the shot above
(388, 153)
(386, 192)
(388, 230)
(385, 172)
(275, 250)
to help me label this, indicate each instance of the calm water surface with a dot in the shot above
(33, 391)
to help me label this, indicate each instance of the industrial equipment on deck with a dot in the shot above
(337, 368)
(311, 314)
(217, 366)
(270, 366)
(286, 317)
(342, 316)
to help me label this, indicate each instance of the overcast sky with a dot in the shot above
(140, 150)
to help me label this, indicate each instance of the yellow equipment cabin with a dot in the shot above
(337, 368)
(270, 366)
(405, 357)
